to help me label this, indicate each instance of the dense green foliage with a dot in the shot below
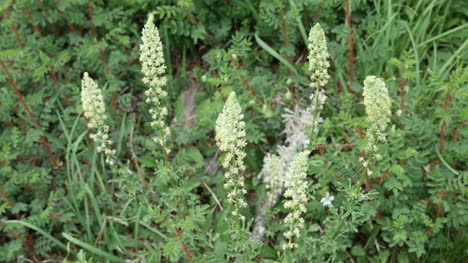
(59, 199)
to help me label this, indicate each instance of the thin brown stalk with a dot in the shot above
(445, 105)
(351, 58)
(402, 93)
(317, 12)
(284, 31)
(323, 146)
(440, 195)
(14, 27)
(285, 34)
(62, 14)
(18, 94)
(35, 27)
(5, 198)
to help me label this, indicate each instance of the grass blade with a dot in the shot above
(275, 54)
(93, 249)
(40, 231)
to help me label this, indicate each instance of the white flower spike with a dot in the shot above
(230, 138)
(153, 68)
(296, 190)
(95, 111)
(318, 57)
(378, 103)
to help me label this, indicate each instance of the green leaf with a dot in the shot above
(191, 157)
(358, 251)
(173, 249)
(9, 53)
(220, 249)
(148, 161)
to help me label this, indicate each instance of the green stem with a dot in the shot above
(299, 22)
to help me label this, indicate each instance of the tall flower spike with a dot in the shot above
(230, 138)
(318, 57)
(95, 111)
(378, 103)
(153, 68)
(296, 189)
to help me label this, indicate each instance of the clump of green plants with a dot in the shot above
(221, 132)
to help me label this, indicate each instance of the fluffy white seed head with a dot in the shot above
(95, 111)
(318, 57)
(378, 103)
(230, 138)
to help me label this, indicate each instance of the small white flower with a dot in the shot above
(327, 200)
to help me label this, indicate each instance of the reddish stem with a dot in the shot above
(43, 139)
(62, 13)
(185, 248)
(442, 126)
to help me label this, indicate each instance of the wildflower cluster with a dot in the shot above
(95, 111)
(318, 57)
(298, 125)
(377, 102)
(296, 190)
(153, 68)
(230, 138)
